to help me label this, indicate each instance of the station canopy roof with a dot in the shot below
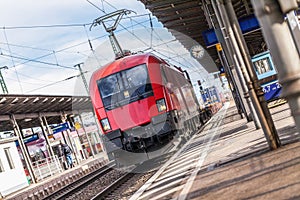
(27, 109)
(187, 17)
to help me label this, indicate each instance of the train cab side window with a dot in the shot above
(136, 76)
(163, 75)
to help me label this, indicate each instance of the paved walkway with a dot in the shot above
(241, 166)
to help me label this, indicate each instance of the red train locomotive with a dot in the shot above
(141, 102)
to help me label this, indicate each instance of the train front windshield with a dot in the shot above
(125, 87)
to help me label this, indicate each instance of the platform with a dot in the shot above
(54, 182)
(240, 165)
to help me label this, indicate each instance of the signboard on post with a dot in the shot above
(60, 127)
(271, 90)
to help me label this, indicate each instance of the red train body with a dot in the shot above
(141, 101)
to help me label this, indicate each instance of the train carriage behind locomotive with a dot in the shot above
(141, 101)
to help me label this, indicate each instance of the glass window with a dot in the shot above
(9, 158)
(109, 85)
(125, 87)
(136, 76)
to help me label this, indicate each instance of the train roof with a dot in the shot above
(124, 63)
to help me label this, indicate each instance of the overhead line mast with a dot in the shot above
(2, 82)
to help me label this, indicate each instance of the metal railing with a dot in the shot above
(47, 167)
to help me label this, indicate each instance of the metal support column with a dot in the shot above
(237, 90)
(88, 93)
(293, 22)
(46, 133)
(87, 137)
(271, 135)
(255, 91)
(233, 62)
(282, 48)
(48, 129)
(64, 120)
(23, 148)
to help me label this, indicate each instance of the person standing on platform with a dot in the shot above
(67, 152)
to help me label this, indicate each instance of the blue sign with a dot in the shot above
(28, 139)
(60, 127)
(210, 95)
(210, 37)
(247, 24)
(272, 90)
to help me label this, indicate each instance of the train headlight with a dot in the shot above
(161, 105)
(105, 124)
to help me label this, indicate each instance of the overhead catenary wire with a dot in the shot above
(157, 35)
(36, 61)
(66, 79)
(55, 25)
(42, 62)
(27, 76)
(27, 47)
(52, 52)
(31, 83)
(12, 60)
(64, 49)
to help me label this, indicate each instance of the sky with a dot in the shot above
(42, 41)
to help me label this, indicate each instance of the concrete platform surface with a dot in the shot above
(241, 166)
(271, 175)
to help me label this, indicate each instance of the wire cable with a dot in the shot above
(146, 29)
(66, 79)
(36, 61)
(12, 60)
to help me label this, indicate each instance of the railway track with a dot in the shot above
(124, 187)
(129, 183)
(79, 185)
(176, 176)
(111, 183)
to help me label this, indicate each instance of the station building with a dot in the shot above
(31, 129)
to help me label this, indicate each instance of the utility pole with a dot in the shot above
(2, 82)
(93, 111)
(83, 77)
